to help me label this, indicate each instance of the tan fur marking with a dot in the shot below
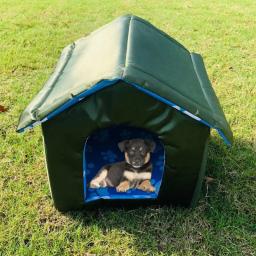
(137, 176)
(123, 186)
(126, 158)
(147, 158)
(146, 186)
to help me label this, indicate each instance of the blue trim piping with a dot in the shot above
(106, 83)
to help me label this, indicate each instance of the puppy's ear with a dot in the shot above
(123, 145)
(151, 145)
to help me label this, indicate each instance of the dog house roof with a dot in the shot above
(129, 49)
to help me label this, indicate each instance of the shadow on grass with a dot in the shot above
(223, 218)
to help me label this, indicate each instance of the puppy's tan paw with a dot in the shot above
(94, 184)
(123, 186)
(146, 186)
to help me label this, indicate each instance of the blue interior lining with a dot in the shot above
(101, 148)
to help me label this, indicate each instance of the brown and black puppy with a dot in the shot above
(134, 172)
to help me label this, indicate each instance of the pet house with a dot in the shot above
(126, 80)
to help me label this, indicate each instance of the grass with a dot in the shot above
(32, 35)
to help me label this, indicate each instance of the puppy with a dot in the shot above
(134, 172)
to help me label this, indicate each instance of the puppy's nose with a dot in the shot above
(136, 161)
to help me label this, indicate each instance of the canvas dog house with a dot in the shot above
(128, 79)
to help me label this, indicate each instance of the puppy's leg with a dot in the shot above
(123, 186)
(99, 180)
(146, 185)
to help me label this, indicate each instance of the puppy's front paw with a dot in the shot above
(146, 186)
(94, 184)
(123, 186)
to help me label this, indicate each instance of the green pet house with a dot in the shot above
(126, 80)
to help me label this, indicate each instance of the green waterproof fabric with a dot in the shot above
(131, 49)
(184, 140)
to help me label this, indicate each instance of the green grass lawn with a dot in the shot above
(32, 35)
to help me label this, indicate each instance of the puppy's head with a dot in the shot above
(137, 151)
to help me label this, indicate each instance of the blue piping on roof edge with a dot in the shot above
(105, 83)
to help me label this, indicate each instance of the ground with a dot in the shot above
(32, 35)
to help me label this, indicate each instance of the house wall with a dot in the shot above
(65, 135)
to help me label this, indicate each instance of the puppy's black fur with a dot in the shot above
(135, 171)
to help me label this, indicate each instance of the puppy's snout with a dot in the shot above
(137, 162)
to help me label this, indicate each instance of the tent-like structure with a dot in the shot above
(127, 79)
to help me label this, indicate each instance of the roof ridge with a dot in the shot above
(158, 30)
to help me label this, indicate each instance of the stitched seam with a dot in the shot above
(127, 45)
(67, 58)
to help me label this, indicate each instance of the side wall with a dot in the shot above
(65, 135)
